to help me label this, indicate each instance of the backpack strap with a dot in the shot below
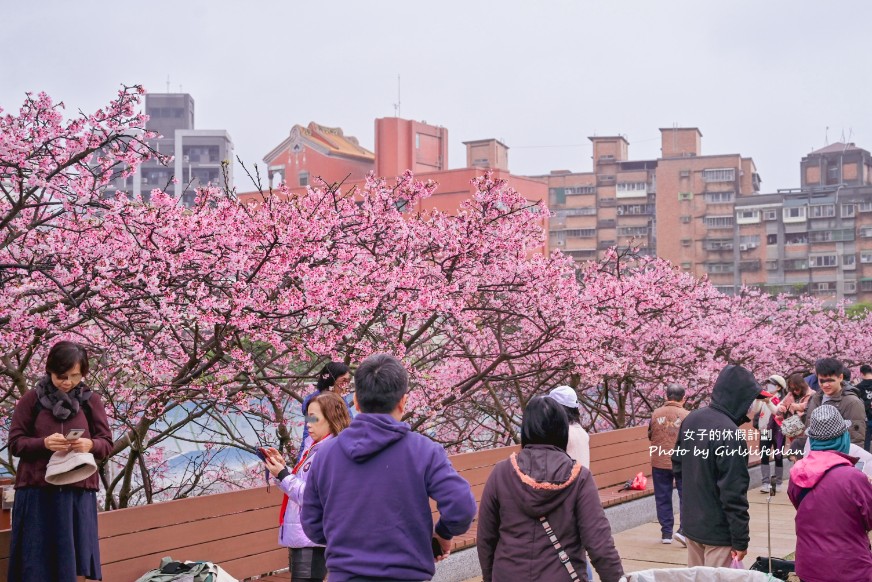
(561, 554)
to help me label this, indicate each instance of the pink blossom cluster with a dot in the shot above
(194, 315)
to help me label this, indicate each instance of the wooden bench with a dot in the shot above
(239, 530)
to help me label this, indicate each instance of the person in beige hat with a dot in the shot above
(58, 431)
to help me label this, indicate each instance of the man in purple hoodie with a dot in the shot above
(369, 489)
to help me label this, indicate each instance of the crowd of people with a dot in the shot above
(357, 497)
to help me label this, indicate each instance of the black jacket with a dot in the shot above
(864, 387)
(713, 461)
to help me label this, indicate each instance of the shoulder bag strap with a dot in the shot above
(562, 556)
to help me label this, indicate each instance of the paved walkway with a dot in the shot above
(640, 547)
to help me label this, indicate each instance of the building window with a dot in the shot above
(685, 195)
(849, 262)
(685, 219)
(719, 197)
(772, 265)
(866, 257)
(575, 190)
(849, 210)
(686, 266)
(770, 214)
(580, 232)
(417, 141)
(794, 214)
(796, 238)
(795, 264)
(822, 211)
(718, 244)
(633, 231)
(825, 287)
(771, 239)
(841, 235)
(304, 178)
(628, 209)
(719, 221)
(833, 174)
(866, 206)
(823, 261)
(685, 242)
(719, 175)
(719, 267)
(633, 187)
(751, 240)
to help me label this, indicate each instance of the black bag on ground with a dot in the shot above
(780, 568)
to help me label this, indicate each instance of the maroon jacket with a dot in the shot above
(543, 481)
(833, 503)
(28, 431)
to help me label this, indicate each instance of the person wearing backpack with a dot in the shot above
(327, 416)
(833, 503)
(59, 430)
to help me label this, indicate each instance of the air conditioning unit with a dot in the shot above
(743, 247)
(752, 246)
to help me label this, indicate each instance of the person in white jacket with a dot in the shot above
(578, 446)
(326, 417)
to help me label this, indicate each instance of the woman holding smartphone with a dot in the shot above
(54, 528)
(326, 417)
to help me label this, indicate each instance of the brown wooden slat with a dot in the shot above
(487, 457)
(229, 553)
(601, 439)
(5, 540)
(188, 534)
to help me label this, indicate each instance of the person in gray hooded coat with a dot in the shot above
(537, 491)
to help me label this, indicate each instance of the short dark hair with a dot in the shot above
(573, 415)
(828, 367)
(63, 356)
(544, 423)
(674, 392)
(866, 369)
(380, 383)
(329, 373)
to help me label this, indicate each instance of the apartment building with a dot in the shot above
(817, 238)
(679, 206)
(197, 153)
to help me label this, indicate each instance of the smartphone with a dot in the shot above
(74, 434)
(437, 548)
(860, 465)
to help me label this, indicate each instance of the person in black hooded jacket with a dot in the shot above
(712, 460)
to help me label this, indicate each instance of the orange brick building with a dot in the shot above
(400, 144)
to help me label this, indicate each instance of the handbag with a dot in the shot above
(793, 426)
(561, 555)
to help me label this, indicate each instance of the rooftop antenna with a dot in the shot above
(397, 104)
(168, 83)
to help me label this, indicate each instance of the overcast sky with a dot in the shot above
(764, 78)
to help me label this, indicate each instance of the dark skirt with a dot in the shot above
(54, 535)
(307, 563)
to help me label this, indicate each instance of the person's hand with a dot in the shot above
(738, 554)
(81, 445)
(56, 442)
(781, 409)
(444, 544)
(274, 465)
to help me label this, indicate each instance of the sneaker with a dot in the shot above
(666, 541)
(678, 537)
(778, 487)
(765, 488)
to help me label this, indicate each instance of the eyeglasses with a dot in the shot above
(827, 380)
(74, 378)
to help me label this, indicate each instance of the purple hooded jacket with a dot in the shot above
(832, 519)
(368, 495)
